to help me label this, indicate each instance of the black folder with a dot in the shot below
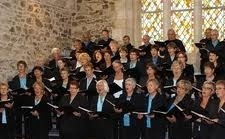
(200, 45)
(169, 89)
(22, 91)
(107, 71)
(160, 43)
(2, 103)
(131, 72)
(143, 88)
(78, 76)
(126, 106)
(113, 88)
(66, 108)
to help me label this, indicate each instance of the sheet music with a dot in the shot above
(54, 106)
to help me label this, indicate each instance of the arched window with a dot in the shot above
(182, 16)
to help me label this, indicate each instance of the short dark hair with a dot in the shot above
(210, 65)
(38, 68)
(133, 50)
(22, 62)
(105, 30)
(75, 83)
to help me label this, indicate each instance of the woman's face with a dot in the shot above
(213, 57)
(38, 90)
(181, 58)
(73, 89)
(100, 88)
(4, 90)
(123, 54)
(207, 90)
(181, 90)
(60, 64)
(220, 91)
(64, 74)
(98, 56)
(83, 61)
(176, 69)
(129, 87)
(107, 56)
(117, 67)
(150, 71)
(152, 87)
(208, 71)
(37, 73)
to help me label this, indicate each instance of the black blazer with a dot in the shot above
(71, 126)
(182, 128)
(104, 122)
(15, 83)
(138, 70)
(138, 104)
(91, 90)
(11, 123)
(218, 130)
(40, 126)
(219, 48)
(210, 111)
(158, 103)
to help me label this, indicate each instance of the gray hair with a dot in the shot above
(132, 80)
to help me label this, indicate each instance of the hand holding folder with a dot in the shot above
(125, 106)
(64, 109)
(6, 104)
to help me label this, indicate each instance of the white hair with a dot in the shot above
(106, 86)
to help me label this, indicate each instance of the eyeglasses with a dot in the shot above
(219, 88)
(182, 88)
(207, 88)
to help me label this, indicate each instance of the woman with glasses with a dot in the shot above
(218, 123)
(72, 119)
(188, 68)
(180, 126)
(205, 105)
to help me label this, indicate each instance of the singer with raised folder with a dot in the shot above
(72, 123)
(40, 116)
(129, 101)
(180, 120)
(155, 126)
(205, 105)
(7, 124)
(21, 80)
(101, 122)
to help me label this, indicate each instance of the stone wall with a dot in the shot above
(31, 27)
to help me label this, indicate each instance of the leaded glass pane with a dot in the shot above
(182, 23)
(214, 17)
(152, 25)
(213, 3)
(182, 4)
(151, 5)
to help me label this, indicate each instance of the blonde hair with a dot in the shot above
(84, 56)
(177, 63)
(55, 50)
(186, 84)
(4, 84)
